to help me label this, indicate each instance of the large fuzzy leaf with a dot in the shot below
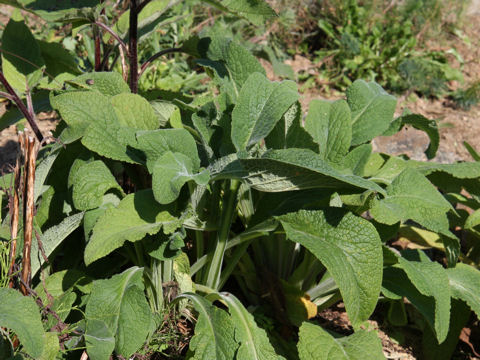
(134, 111)
(214, 332)
(465, 285)
(230, 62)
(349, 247)
(20, 314)
(155, 143)
(91, 182)
(137, 215)
(254, 343)
(372, 110)
(58, 60)
(256, 11)
(460, 170)
(81, 108)
(114, 137)
(108, 83)
(330, 125)
(419, 122)
(318, 344)
(171, 172)
(411, 196)
(425, 284)
(65, 10)
(106, 123)
(117, 315)
(22, 60)
(289, 132)
(459, 316)
(261, 104)
(294, 169)
(52, 238)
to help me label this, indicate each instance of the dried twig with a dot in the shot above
(15, 209)
(29, 206)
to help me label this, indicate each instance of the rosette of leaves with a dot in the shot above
(296, 210)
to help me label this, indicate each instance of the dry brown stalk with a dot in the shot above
(15, 214)
(28, 212)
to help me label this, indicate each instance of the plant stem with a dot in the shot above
(6, 95)
(113, 33)
(142, 5)
(232, 262)
(139, 253)
(132, 46)
(21, 106)
(228, 211)
(154, 57)
(167, 271)
(98, 50)
(98, 55)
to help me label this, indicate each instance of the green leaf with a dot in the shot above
(473, 220)
(137, 215)
(57, 59)
(66, 10)
(52, 346)
(231, 63)
(108, 83)
(91, 182)
(164, 111)
(425, 284)
(214, 336)
(254, 342)
(465, 285)
(471, 150)
(412, 197)
(81, 108)
(114, 137)
(459, 170)
(41, 173)
(261, 104)
(155, 143)
(316, 343)
(289, 132)
(294, 169)
(171, 172)
(357, 159)
(116, 315)
(459, 316)
(20, 314)
(111, 140)
(134, 111)
(372, 110)
(256, 11)
(22, 61)
(330, 125)
(351, 250)
(91, 216)
(430, 127)
(52, 238)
